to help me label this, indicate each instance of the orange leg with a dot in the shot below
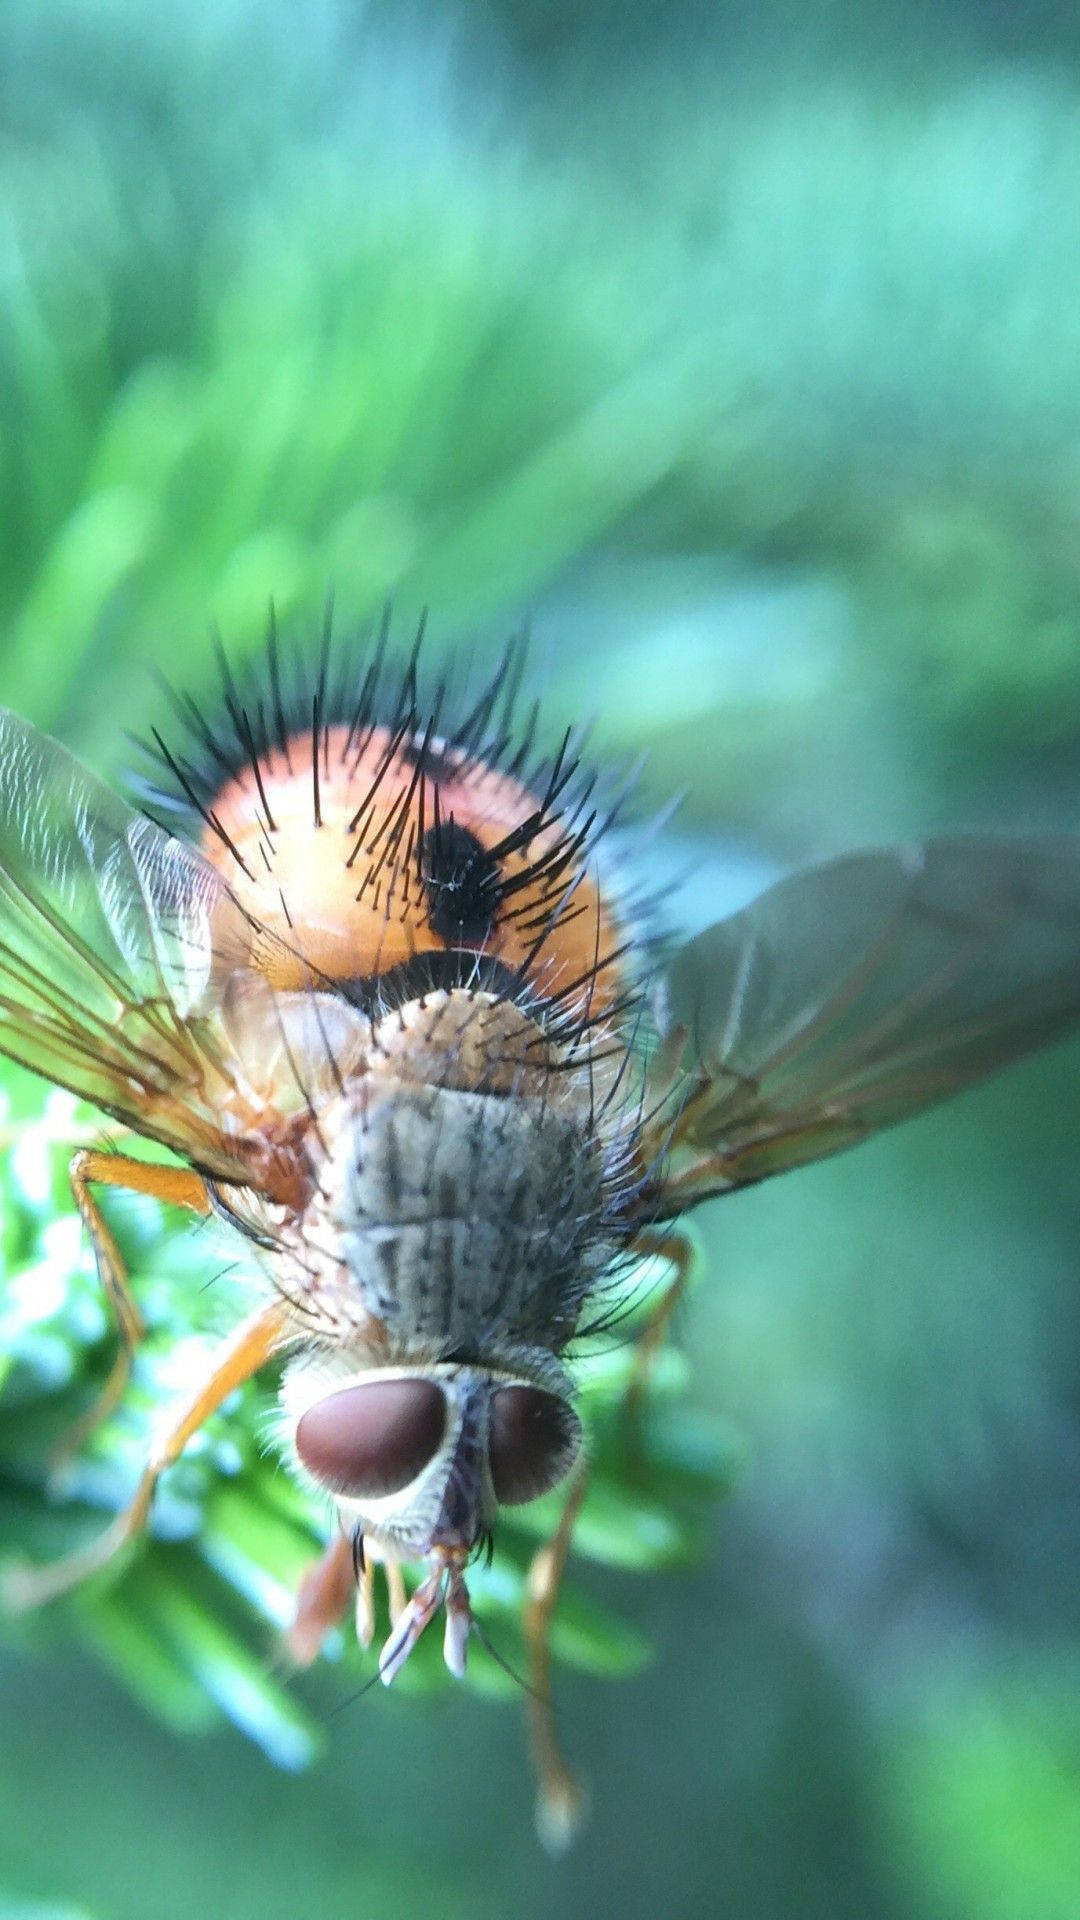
(395, 1589)
(396, 1595)
(679, 1250)
(249, 1349)
(560, 1798)
(177, 1187)
(365, 1605)
(325, 1592)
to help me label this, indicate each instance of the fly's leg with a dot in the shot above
(249, 1349)
(560, 1798)
(325, 1592)
(365, 1604)
(396, 1593)
(177, 1187)
(678, 1249)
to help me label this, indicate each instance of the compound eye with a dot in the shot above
(533, 1440)
(371, 1440)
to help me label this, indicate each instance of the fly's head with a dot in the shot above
(419, 1459)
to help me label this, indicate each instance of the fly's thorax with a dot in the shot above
(468, 1223)
(467, 1039)
(299, 1048)
(460, 1206)
(420, 1459)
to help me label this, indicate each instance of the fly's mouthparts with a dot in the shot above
(445, 1585)
(458, 1625)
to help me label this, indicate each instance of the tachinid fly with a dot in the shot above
(374, 991)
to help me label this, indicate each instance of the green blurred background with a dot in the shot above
(740, 349)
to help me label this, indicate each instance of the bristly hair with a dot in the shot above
(289, 699)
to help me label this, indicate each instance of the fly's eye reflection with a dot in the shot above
(533, 1440)
(371, 1440)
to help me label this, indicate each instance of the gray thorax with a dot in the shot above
(468, 1224)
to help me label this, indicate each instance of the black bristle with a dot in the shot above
(386, 761)
(468, 734)
(526, 742)
(443, 733)
(281, 727)
(316, 801)
(188, 787)
(255, 764)
(366, 703)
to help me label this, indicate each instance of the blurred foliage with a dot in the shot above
(743, 348)
(989, 1798)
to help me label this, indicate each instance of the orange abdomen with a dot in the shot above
(372, 851)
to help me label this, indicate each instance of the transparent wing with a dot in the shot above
(856, 993)
(115, 944)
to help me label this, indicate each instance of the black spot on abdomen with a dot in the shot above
(462, 884)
